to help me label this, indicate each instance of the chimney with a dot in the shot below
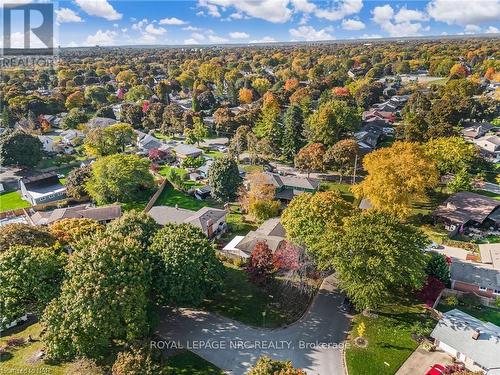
(476, 334)
(210, 229)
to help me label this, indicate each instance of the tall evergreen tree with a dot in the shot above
(293, 139)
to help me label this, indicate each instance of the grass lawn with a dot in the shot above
(484, 313)
(245, 302)
(140, 203)
(165, 168)
(188, 363)
(248, 168)
(172, 197)
(12, 201)
(238, 226)
(389, 338)
(343, 188)
(488, 194)
(213, 153)
(20, 360)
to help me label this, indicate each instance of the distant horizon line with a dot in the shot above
(310, 42)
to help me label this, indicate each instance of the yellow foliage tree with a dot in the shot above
(246, 95)
(397, 176)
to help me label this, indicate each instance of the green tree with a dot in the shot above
(68, 231)
(331, 121)
(293, 137)
(24, 234)
(30, 277)
(136, 224)
(461, 181)
(451, 154)
(110, 140)
(224, 178)
(7, 118)
(104, 299)
(307, 215)
(119, 178)
(139, 92)
(186, 269)
(368, 254)
(96, 95)
(76, 180)
(19, 148)
(438, 266)
(74, 118)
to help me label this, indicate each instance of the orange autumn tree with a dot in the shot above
(259, 200)
(291, 84)
(310, 158)
(396, 177)
(245, 95)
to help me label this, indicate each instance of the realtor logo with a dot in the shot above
(43, 30)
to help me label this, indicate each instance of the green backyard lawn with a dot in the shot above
(12, 201)
(389, 338)
(343, 188)
(172, 197)
(483, 313)
(20, 360)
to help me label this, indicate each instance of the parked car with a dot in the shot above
(436, 369)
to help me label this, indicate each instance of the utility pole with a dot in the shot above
(355, 168)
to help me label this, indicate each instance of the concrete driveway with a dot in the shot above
(314, 343)
(421, 361)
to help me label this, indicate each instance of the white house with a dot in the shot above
(42, 189)
(490, 144)
(47, 143)
(471, 341)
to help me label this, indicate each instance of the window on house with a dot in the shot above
(496, 291)
(483, 288)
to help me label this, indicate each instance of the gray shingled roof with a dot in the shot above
(475, 274)
(456, 329)
(166, 214)
(103, 213)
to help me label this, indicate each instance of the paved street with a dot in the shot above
(311, 343)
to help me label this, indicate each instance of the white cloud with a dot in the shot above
(216, 39)
(99, 8)
(275, 11)
(371, 36)
(239, 35)
(409, 15)
(309, 33)
(115, 25)
(472, 29)
(388, 21)
(106, 38)
(191, 28)
(150, 29)
(17, 40)
(72, 44)
(492, 30)
(64, 15)
(140, 25)
(266, 39)
(236, 16)
(191, 41)
(352, 24)
(172, 21)
(303, 6)
(464, 12)
(208, 37)
(343, 9)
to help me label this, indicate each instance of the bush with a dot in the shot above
(451, 301)
(497, 302)
(136, 362)
(461, 244)
(268, 366)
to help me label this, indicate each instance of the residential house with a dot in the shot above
(146, 142)
(101, 122)
(465, 209)
(183, 151)
(476, 130)
(388, 117)
(478, 278)
(271, 232)
(203, 170)
(48, 143)
(102, 214)
(211, 221)
(489, 144)
(355, 72)
(42, 189)
(469, 340)
(72, 137)
(287, 187)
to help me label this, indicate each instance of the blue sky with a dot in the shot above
(104, 22)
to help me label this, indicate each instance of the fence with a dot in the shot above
(155, 196)
(485, 301)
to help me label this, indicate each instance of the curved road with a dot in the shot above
(312, 343)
